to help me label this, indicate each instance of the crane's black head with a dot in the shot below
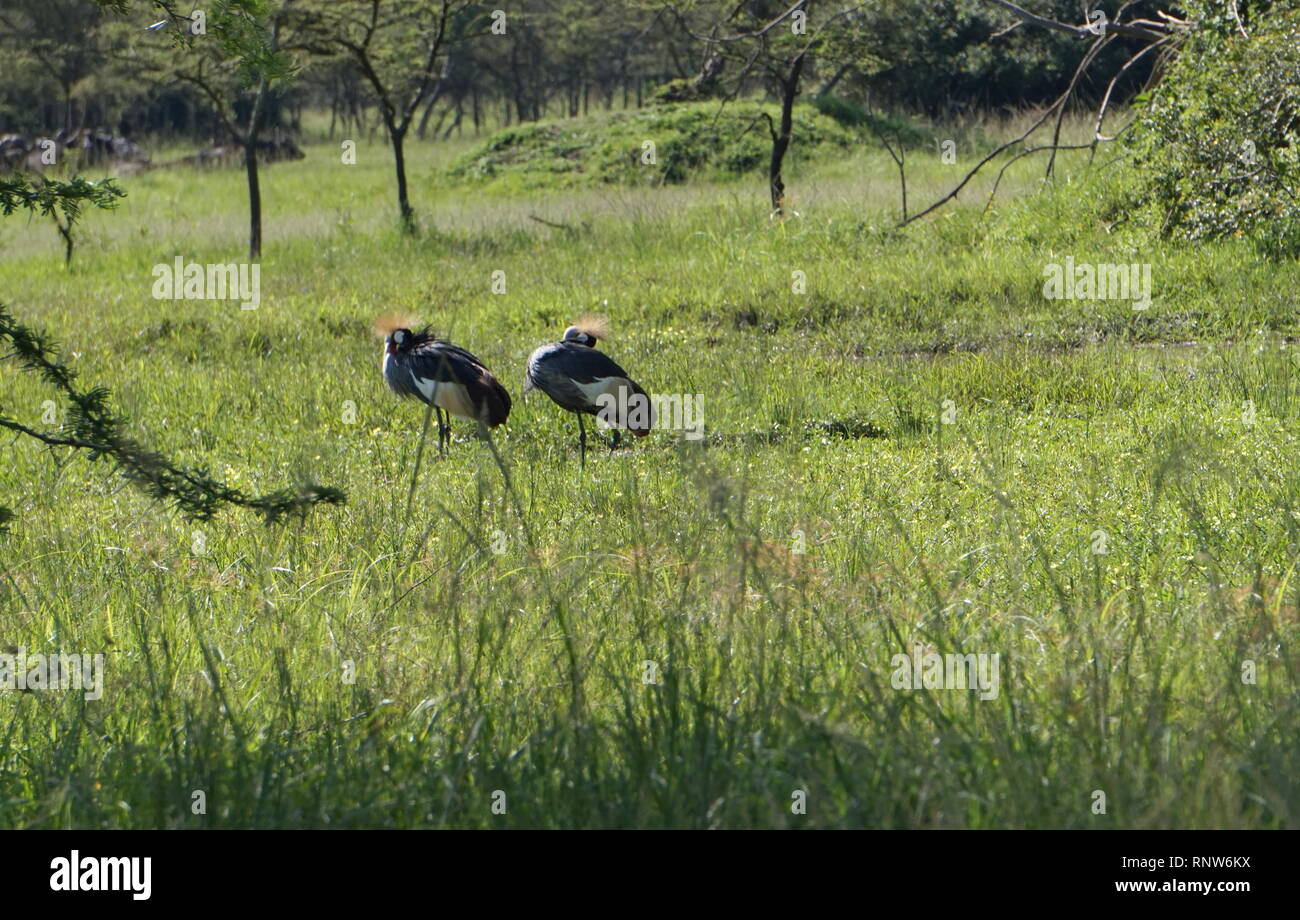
(588, 330)
(403, 339)
(397, 340)
(580, 336)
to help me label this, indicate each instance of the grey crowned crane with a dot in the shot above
(585, 381)
(447, 378)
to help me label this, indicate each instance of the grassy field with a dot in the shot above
(907, 445)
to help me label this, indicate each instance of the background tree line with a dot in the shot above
(399, 69)
(72, 63)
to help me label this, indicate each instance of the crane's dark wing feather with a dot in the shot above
(441, 362)
(563, 369)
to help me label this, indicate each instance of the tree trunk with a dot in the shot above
(835, 79)
(254, 199)
(781, 139)
(428, 113)
(65, 231)
(255, 117)
(455, 124)
(398, 137)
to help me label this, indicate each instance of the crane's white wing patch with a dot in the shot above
(602, 385)
(450, 397)
(621, 409)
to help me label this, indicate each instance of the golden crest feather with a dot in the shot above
(593, 325)
(386, 323)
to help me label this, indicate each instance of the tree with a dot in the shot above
(61, 36)
(401, 48)
(57, 199)
(780, 45)
(237, 53)
(945, 58)
(1164, 33)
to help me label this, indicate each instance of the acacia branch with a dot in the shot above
(981, 164)
(759, 33)
(899, 158)
(435, 46)
(95, 429)
(217, 99)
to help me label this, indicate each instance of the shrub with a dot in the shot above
(1218, 141)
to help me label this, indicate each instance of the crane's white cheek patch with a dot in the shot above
(450, 397)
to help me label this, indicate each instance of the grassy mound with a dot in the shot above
(662, 144)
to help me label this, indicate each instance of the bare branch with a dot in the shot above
(1069, 91)
(1136, 29)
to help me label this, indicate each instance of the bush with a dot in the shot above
(1218, 142)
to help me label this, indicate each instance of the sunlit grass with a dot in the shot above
(230, 646)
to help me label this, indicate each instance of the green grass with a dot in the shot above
(523, 672)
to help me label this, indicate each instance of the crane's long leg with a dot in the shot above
(582, 442)
(444, 434)
(415, 476)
